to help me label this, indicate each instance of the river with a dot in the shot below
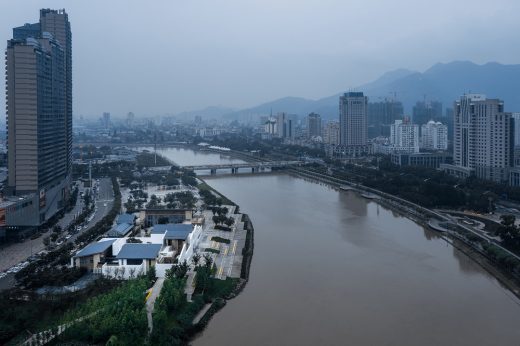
(332, 268)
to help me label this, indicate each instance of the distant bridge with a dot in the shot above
(255, 167)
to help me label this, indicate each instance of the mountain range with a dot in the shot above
(442, 82)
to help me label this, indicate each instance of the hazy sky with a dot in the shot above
(166, 56)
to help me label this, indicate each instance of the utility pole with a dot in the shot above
(155, 147)
(90, 173)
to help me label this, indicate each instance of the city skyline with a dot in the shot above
(318, 60)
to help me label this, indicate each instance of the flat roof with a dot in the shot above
(139, 251)
(95, 248)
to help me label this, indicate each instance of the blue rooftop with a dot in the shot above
(95, 248)
(125, 218)
(173, 228)
(180, 234)
(139, 251)
(120, 230)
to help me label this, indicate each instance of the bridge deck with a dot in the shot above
(267, 164)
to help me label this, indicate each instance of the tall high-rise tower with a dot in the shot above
(353, 119)
(57, 23)
(314, 125)
(39, 112)
(483, 138)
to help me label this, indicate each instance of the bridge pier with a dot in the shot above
(254, 169)
(234, 170)
(213, 171)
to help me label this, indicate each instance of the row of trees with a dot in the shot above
(425, 186)
(509, 233)
(220, 218)
(209, 198)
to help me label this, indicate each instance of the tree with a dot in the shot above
(208, 261)
(151, 273)
(195, 259)
(54, 236)
(507, 220)
(229, 221)
(46, 241)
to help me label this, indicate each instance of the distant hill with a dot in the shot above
(441, 82)
(446, 82)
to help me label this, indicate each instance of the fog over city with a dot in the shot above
(165, 57)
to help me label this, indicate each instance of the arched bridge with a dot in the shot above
(255, 167)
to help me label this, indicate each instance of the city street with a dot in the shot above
(104, 200)
(15, 253)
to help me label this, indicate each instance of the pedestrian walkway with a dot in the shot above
(150, 302)
(190, 285)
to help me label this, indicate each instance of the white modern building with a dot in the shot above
(483, 139)
(270, 126)
(404, 136)
(129, 257)
(434, 136)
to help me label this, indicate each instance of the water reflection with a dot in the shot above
(333, 268)
(352, 201)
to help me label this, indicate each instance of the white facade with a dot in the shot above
(270, 126)
(482, 140)
(404, 137)
(434, 136)
(331, 133)
(122, 269)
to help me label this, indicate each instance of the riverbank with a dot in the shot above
(421, 216)
(209, 310)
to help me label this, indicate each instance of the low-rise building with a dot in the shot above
(129, 257)
(151, 217)
(93, 255)
(432, 160)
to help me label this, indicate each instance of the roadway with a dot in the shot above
(104, 199)
(15, 253)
